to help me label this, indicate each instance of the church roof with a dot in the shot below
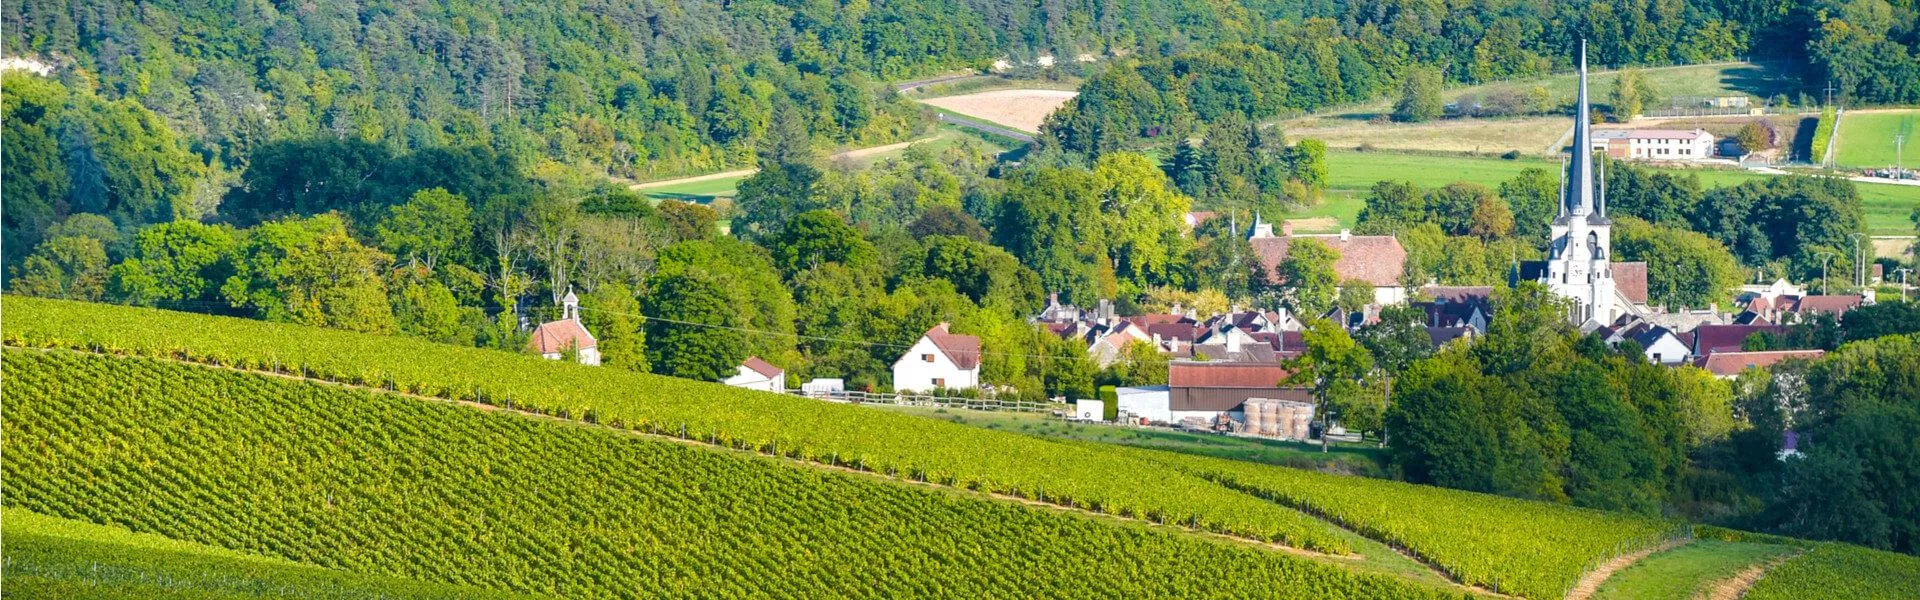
(554, 337)
(1630, 278)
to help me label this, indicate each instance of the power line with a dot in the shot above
(815, 337)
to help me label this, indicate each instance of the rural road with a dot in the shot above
(854, 154)
(978, 126)
(907, 86)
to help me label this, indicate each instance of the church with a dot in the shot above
(1579, 263)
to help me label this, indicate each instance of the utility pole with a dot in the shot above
(1859, 261)
(1899, 166)
(1829, 92)
(1902, 272)
(1825, 257)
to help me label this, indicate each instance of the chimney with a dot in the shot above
(1053, 299)
(1345, 235)
(1286, 228)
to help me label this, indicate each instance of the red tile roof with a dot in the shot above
(1728, 364)
(963, 350)
(764, 368)
(1375, 259)
(554, 337)
(1727, 338)
(1226, 374)
(1150, 320)
(1631, 279)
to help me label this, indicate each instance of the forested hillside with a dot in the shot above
(1356, 51)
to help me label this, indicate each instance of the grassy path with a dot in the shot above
(1590, 583)
(1704, 568)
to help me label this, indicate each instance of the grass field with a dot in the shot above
(1680, 573)
(708, 190)
(1866, 138)
(1361, 459)
(1351, 173)
(1722, 79)
(1528, 135)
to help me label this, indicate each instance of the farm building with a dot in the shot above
(1653, 144)
(940, 359)
(757, 374)
(1208, 390)
(554, 339)
(1375, 259)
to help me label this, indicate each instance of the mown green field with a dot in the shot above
(1526, 548)
(1683, 572)
(1866, 138)
(1886, 206)
(1687, 80)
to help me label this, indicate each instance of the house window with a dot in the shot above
(1656, 357)
(926, 358)
(940, 382)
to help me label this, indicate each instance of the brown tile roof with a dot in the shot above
(1728, 364)
(963, 350)
(764, 368)
(1442, 335)
(1149, 320)
(557, 336)
(1226, 374)
(1177, 331)
(1838, 305)
(1727, 338)
(1631, 279)
(1375, 259)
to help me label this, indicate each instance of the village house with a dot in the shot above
(757, 374)
(940, 359)
(1660, 345)
(1712, 339)
(554, 339)
(1796, 309)
(1378, 260)
(1457, 306)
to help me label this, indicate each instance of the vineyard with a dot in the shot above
(382, 484)
(873, 440)
(50, 557)
(1842, 571)
(1531, 549)
(495, 492)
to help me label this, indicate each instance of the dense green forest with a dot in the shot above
(1343, 52)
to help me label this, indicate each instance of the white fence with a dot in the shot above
(929, 400)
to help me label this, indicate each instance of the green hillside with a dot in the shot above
(383, 484)
(50, 557)
(1866, 139)
(1102, 478)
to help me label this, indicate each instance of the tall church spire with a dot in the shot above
(1579, 200)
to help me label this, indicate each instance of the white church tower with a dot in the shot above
(1577, 266)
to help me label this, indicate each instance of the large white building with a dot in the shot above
(1653, 144)
(1579, 263)
(939, 360)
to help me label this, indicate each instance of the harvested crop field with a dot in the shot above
(1021, 109)
(1529, 135)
